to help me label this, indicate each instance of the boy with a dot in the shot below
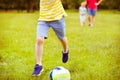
(82, 11)
(92, 8)
(51, 15)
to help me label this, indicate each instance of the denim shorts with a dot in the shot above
(92, 12)
(58, 26)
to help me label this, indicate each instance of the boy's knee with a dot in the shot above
(64, 39)
(40, 40)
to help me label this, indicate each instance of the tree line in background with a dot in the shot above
(31, 5)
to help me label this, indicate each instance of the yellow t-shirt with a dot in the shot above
(51, 10)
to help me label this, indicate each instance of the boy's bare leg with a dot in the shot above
(93, 20)
(39, 50)
(65, 50)
(89, 20)
(82, 24)
(64, 44)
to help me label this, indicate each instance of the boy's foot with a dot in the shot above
(65, 57)
(89, 24)
(37, 70)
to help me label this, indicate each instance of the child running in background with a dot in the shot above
(82, 11)
(92, 6)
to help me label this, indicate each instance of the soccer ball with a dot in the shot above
(59, 73)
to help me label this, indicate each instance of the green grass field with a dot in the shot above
(94, 52)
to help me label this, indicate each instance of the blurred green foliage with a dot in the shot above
(31, 5)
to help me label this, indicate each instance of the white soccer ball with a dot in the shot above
(59, 73)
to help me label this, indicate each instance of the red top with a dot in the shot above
(91, 4)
